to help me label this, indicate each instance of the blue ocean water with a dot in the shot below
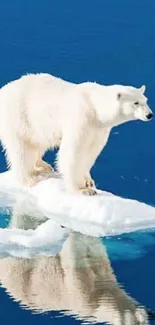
(109, 42)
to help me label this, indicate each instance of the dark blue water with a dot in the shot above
(109, 42)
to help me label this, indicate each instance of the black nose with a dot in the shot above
(150, 313)
(149, 116)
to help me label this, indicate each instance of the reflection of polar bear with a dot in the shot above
(38, 112)
(78, 281)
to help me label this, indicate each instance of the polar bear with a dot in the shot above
(78, 281)
(41, 111)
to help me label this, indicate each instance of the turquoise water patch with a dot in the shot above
(5, 215)
(130, 246)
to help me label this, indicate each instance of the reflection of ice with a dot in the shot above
(47, 238)
(49, 268)
(101, 215)
(76, 279)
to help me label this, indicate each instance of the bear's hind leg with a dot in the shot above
(44, 167)
(21, 157)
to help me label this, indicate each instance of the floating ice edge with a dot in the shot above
(102, 215)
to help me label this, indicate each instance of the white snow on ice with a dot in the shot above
(102, 215)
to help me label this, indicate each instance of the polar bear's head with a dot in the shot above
(117, 104)
(133, 103)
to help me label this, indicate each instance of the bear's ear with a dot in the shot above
(119, 95)
(142, 89)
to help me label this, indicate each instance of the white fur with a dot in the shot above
(39, 112)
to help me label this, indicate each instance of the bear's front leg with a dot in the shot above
(87, 191)
(89, 181)
(68, 164)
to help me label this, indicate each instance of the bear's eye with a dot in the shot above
(136, 103)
